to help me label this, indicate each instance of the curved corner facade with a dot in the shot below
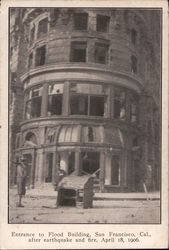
(85, 81)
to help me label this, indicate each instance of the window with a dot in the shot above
(97, 105)
(133, 64)
(133, 36)
(42, 27)
(134, 108)
(102, 23)
(101, 53)
(30, 62)
(32, 35)
(80, 21)
(88, 99)
(55, 96)
(78, 52)
(78, 104)
(119, 104)
(40, 56)
(33, 103)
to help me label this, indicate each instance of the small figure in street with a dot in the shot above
(21, 180)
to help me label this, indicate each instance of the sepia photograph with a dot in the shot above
(85, 115)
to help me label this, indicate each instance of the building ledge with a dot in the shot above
(83, 68)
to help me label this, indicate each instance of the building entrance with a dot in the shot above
(90, 163)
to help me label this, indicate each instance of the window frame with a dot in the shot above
(78, 15)
(74, 45)
(41, 34)
(38, 55)
(98, 28)
(101, 46)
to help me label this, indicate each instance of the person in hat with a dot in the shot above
(21, 180)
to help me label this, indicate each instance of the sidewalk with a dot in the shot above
(44, 193)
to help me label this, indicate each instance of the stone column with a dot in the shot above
(40, 172)
(108, 169)
(44, 105)
(32, 173)
(102, 170)
(65, 101)
(128, 111)
(111, 103)
(54, 167)
(78, 163)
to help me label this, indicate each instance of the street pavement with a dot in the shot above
(125, 208)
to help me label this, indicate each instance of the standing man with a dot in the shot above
(21, 179)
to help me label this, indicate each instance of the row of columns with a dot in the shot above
(105, 167)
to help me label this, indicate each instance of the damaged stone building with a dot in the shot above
(85, 95)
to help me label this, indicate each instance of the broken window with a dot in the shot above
(97, 104)
(33, 103)
(88, 99)
(102, 23)
(115, 173)
(30, 62)
(55, 96)
(101, 53)
(80, 21)
(133, 36)
(78, 104)
(119, 104)
(32, 35)
(78, 52)
(133, 64)
(134, 108)
(40, 56)
(42, 27)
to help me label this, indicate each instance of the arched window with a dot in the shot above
(42, 27)
(31, 138)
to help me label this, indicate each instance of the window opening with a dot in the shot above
(33, 104)
(134, 108)
(78, 52)
(71, 162)
(133, 64)
(79, 105)
(80, 21)
(97, 104)
(115, 176)
(133, 36)
(101, 53)
(119, 104)
(87, 99)
(32, 35)
(90, 162)
(102, 23)
(55, 98)
(40, 56)
(42, 27)
(30, 60)
(90, 134)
